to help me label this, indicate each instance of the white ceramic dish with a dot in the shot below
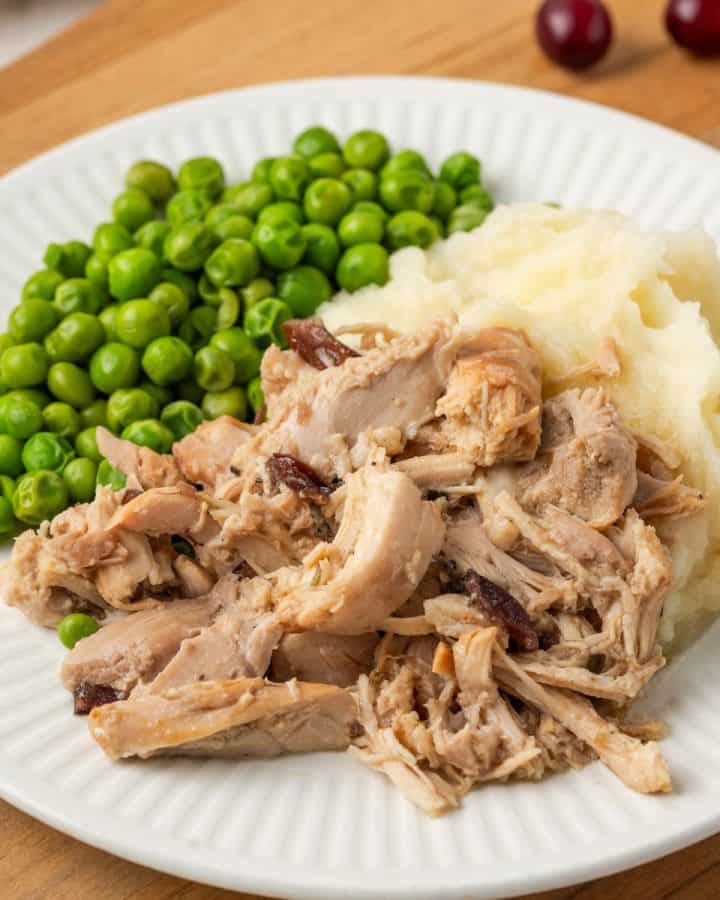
(324, 826)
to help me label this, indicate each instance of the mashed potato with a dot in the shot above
(571, 279)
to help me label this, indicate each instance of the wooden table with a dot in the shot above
(135, 54)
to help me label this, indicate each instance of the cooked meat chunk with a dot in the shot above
(490, 411)
(141, 464)
(587, 461)
(435, 471)
(324, 658)
(204, 457)
(170, 510)
(137, 647)
(243, 717)
(665, 498)
(387, 538)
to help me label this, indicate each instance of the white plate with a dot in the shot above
(324, 826)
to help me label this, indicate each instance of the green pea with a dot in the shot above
(181, 417)
(32, 320)
(110, 239)
(106, 318)
(303, 289)
(228, 311)
(24, 365)
(114, 366)
(404, 160)
(323, 248)
(477, 195)
(69, 259)
(151, 236)
(460, 170)
(231, 402)
(86, 444)
(5, 342)
(133, 273)
(360, 228)
(366, 150)
(152, 177)
(39, 496)
(132, 208)
(249, 197)
(439, 226)
(279, 212)
(167, 360)
(410, 229)
(8, 522)
(42, 285)
(361, 265)
(280, 245)
(172, 299)
(108, 475)
(79, 295)
(445, 200)
(187, 206)
(362, 182)
(314, 140)
(60, 418)
(38, 397)
(235, 227)
(264, 321)
(261, 170)
(80, 476)
(47, 451)
(214, 369)
(183, 281)
(138, 322)
(71, 384)
(407, 189)
(255, 394)
(7, 487)
(21, 418)
(369, 206)
(289, 176)
(96, 271)
(10, 456)
(241, 349)
(233, 264)
(203, 173)
(75, 338)
(75, 627)
(94, 414)
(188, 246)
(327, 200)
(199, 327)
(219, 213)
(257, 290)
(326, 165)
(128, 405)
(209, 292)
(161, 395)
(466, 218)
(150, 433)
(189, 390)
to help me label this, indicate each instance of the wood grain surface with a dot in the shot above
(134, 54)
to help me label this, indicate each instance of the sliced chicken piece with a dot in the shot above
(667, 499)
(137, 647)
(619, 688)
(490, 411)
(324, 658)
(639, 766)
(278, 370)
(387, 538)
(195, 580)
(179, 509)
(204, 457)
(239, 642)
(148, 468)
(229, 718)
(587, 461)
(436, 471)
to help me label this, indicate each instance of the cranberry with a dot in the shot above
(695, 24)
(574, 33)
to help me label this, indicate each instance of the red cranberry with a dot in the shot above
(695, 24)
(574, 33)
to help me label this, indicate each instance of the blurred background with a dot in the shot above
(26, 23)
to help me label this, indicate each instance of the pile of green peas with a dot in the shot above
(161, 321)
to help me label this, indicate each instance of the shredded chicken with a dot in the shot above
(414, 557)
